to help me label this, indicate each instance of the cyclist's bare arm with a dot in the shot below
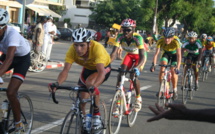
(141, 59)
(200, 54)
(100, 77)
(178, 53)
(114, 53)
(156, 55)
(62, 76)
(8, 61)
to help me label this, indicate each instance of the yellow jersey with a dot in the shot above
(171, 48)
(97, 54)
(209, 46)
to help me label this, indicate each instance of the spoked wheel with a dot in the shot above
(116, 113)
(185, 89)
(103, 111)
(27, 114)
(204, 74)
(72, 124)
(132, 116)
(38, 62)
(161, 100)
(191, 86)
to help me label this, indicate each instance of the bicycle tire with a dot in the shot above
(38, 64)
(103, 111)
(185, 89)
(27, 114)
(132, 116)
(161, 100)
(116, 97)
(71, 119)
(191, 85)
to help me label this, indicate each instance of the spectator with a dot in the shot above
(48, 31)
(98, 36)
(38, 36)
(180, 112)
(49, 48)
(108, 34)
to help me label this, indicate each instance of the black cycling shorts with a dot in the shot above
(192, 57)
(168, 56)
(20, 65)
(86, 73)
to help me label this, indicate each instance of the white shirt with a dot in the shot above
(13, 38)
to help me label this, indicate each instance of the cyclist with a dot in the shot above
(133, 44)
(209, 49)
(171, 50)
(96, 67)
(194, 49)
(203, 38)
(16, 55)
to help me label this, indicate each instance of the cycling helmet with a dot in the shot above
(128, 23)
(209, 38)
(192, 34)
(4, 17)
(204, 36)
(81, 35)
(169, 32)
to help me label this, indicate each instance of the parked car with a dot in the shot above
(66, 33)
(57, 36)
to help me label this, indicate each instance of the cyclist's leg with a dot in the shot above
(174, 76)
(20, 65)
(195, 60)
(163, 61)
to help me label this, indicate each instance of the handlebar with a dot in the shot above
(167, 65)
(76, 88)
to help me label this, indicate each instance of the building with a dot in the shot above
(14, 9)
(78, 11)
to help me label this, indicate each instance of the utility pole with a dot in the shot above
(155, 18)
(23, 15)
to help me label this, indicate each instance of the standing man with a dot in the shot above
(38, 36)
(47, 36)
(16, 55)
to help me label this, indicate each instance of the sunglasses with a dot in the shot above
(127, 30)
(1, 27)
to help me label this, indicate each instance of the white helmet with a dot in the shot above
(192, 34)
(4, 16)
(204, 36)
(81, 35)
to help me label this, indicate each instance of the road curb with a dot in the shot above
(55, 65)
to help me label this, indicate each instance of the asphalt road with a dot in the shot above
(49, 116)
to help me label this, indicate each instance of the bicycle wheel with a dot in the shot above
(191, 86)
(115, 119)
(40, 63)
(72, 124)
(161, 100)
(103, 111)
(27, 114)
(185, 89)
(132, 116)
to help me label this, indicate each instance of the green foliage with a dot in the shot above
(196, 15)
(58, 9)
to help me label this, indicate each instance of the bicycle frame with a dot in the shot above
(167, 78)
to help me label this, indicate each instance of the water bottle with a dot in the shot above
(4, 108)
(88, 122)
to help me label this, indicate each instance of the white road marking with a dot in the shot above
(47, 127)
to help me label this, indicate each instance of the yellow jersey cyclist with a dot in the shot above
(133, 44)
(194, 49)
(96, 67)
(16, 55)
(209, 49)
(171, 50)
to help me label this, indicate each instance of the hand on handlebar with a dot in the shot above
(137, 71)
(53, 87)
(177, 71)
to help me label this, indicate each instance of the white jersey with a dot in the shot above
(14, 38)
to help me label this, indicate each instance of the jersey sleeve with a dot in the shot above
(140, 42)
(70, 55)
(118, 40)
(14, 39)
(159, 42)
